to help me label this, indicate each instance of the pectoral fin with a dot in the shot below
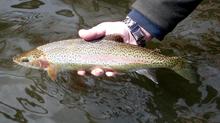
(52, 72)
(149, 73)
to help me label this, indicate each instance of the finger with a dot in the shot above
(93, 33)
(97, 72)
(110, 73)
(81, 72)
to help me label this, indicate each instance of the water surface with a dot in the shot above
(29, 96)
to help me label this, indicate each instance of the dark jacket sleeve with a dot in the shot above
(159, 17)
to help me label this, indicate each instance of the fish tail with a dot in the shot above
(184, 68)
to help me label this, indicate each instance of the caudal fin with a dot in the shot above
(184, 68)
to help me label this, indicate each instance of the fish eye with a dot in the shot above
(24, 59)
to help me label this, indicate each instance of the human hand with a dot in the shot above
(109, 28)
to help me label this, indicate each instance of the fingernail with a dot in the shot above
(81, 31)
(81, 72)
(109, 74)
(97, 72)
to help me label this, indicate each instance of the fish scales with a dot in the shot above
(107, 53)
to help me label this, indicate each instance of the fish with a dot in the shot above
(78, 54)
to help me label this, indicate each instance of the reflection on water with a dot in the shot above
(29, 4)
(17, 116)
(66, 13)
(28, 95)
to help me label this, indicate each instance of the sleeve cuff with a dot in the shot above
(149, 26)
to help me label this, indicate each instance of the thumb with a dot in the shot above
(93, 33)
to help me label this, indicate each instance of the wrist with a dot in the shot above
(147, 35)
(139, 34)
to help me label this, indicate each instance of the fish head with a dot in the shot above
(32, 59)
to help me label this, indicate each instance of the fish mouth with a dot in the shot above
(19, 61)
(15, 59)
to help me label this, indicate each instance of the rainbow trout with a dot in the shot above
(75, 54)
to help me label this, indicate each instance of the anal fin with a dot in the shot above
(149, 73)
